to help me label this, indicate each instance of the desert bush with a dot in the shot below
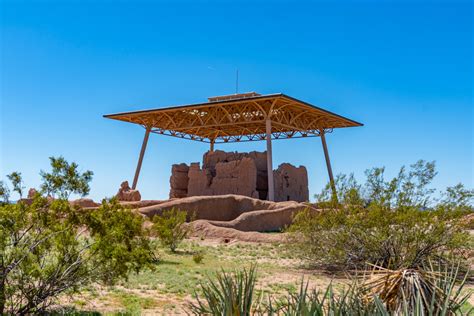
(65, 179)
(170, 227)
(395, 223)
(49, 247)
(4, 193)
(230, 293)
(17, 182)
(198, 257)
(350, 238)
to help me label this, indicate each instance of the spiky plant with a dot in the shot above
(230, 293)
(416, 291)
(320, 303)
(385, 292)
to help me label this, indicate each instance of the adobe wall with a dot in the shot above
(238, 173)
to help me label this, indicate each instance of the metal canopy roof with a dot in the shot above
(239, 117)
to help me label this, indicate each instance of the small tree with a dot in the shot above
(65, 179)
(48, 248)
(4, 192)
(170, 228)
(17, 182)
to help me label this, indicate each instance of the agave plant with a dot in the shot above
(230, 293)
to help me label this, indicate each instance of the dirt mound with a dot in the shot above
(204, 229)
(141, 204)
(263, 220)
(233, 212)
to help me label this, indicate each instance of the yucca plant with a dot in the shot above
(319, 303)
(230, 293)
(416, 291)
(384, 292)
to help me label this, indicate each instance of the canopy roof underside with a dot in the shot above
(241, 119)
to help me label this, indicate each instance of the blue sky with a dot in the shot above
(404, 69)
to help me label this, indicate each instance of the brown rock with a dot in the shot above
(125, 193)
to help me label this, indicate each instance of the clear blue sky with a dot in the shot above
(404, 69)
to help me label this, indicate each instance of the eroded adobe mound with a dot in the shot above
(233, 212)
(204, 229)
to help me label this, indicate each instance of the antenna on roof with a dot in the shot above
(237, 82)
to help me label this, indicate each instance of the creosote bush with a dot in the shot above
(394, 224)
(170, 227)
(198, 257)
(65, 179)
(49, 247)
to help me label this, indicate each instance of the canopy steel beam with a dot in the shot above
(328, 163)
(140, 158)
(271, 184)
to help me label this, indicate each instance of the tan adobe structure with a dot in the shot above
(238, 173)
(238, 118)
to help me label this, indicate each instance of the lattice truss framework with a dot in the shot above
(239, 120)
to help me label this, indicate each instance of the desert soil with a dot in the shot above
(168, 289)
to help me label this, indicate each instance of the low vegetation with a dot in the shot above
(59, 257)
(228, 294)
(394, 224)
(170, 227)
(401, 292)
(48, 247)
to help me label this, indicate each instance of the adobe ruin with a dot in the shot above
(238, 173)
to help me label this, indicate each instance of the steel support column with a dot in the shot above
(271, 184)
(328, 164)
(212, 146)
(140, 158)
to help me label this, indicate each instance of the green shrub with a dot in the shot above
(170, 227)
(17, 182)
(65, 179)
(198, 257)
(49, 247)
(4, 193)
(351, 238)
(390, 223)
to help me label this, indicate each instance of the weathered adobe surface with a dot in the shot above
(204, 229)
(238, 173)
(233, 212)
